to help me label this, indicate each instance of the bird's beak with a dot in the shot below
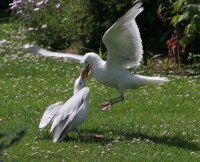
(84, 73)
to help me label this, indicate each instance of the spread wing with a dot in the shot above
(36, 49)
(49, 114)
(123, 41)
(62, 122)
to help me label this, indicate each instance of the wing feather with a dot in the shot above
(49, 114)
(69, 110)
(123, 41)
(36, 49)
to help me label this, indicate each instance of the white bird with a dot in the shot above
(124, 49)
(70, 115)
(52, 111)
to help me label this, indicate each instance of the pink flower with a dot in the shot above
(57, 5)
(44, 26)
(15, 4)
(30, 29)
(45, 2)
(18, 1)
(36, 9)
(39, 3)
(13, 7)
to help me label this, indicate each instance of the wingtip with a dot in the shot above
(138, 5)
(139, 2)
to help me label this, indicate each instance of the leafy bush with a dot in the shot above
(184, 16)
(73, 22)
(187, 19)
(57, 24)
(82, 23)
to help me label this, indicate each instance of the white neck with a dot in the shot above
(98, 63)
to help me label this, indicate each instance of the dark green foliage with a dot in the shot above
(183, 18)
(82, 23)
(105, 14)
(66, 25)
(4, 4)
(78, 22)
(4, 11)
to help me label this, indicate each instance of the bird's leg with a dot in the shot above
(118, 99)
(83, 135)
(94, 136)
(108, 104)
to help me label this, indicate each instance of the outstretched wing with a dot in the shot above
(62, 122)
(123, 41)
(36, 49)
(49, 114)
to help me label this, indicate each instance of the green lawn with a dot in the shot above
(158, 123)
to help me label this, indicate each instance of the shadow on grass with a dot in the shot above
(9, 139)
(89, 140)
(82, 140)
(164, 140)
(170, 141)
(46, 136)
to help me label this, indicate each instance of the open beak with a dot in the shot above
(84, 73)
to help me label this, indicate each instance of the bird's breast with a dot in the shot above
(106, 76)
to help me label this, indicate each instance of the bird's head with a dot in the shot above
(88, 61)
(80, 82)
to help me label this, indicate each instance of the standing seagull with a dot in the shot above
(70, 115)
(124, 48)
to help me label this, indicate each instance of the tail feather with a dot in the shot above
(144, 80)
(158, 80)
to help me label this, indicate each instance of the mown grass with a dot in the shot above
(159, 123)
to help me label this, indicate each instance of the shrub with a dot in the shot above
(57, 24)
(81, 22)
(183, 15)
(84, 22)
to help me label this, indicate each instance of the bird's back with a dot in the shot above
(73, 113)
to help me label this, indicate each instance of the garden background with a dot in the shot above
(152, 124)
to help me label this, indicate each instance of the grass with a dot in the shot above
(159, 123)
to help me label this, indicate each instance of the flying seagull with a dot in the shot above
(124, 49)
(68, 116)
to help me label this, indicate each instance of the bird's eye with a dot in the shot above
(80, 83)
(86, 62)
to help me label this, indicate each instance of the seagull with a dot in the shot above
(68, 116)
(124, 51)
(53, 110)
